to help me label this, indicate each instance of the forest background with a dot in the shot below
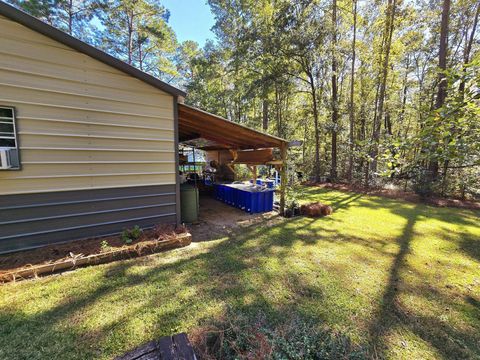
(380, 92)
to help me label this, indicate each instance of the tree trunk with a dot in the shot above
(278, 111)
(130, 38)
(468, 47)
(404, 92)
(442, 56)
(333, 170)
(442, 81)
(389, 25)
(265, 114)
(352, 92)
(140, 56)
(362, 119)
(313, 92)
(70, 17)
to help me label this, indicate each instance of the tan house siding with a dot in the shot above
(81, 123)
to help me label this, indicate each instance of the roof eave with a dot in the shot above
(276, 138)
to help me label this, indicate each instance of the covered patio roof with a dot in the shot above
(207, 131)
(218, 133)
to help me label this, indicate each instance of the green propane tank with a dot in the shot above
(189, 203)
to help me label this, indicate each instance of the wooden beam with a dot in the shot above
(253, 170)
(274, 162)
(188, 137)
(234, 154)
(232, 167)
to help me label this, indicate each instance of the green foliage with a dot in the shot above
(104, 246)
(130, 235)
(270, 68)
(294, 194)
(242, 173)
(72, 16)
(449, 135)
(137, 32)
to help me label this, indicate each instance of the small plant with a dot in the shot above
(104, 246)
(136, 232)
(130, 235)
(294, 194)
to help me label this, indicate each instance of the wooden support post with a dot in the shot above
(231, 167)
(283, 177)
(253, 170)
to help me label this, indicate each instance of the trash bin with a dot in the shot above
(189, 203)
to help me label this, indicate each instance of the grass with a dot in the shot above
(397, 280)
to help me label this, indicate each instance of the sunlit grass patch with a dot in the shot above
(379, 277)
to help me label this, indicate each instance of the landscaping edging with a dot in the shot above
(141, 249)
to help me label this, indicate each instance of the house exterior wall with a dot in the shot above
(33, 220)
(83, 128)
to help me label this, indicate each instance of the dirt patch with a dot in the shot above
(217, 220)
(403, 195)
(56, 252)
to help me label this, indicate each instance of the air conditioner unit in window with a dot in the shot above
(5, 159)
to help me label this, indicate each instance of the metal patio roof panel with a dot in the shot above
(195, 123)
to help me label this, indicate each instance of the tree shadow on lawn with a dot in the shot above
(231, 273)
(470, 245)
(443, 336)
(337, 202)
(447, 340)
(43, 335)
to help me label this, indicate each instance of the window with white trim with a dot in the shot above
(9, 158)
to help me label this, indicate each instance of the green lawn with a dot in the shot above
(382, 278)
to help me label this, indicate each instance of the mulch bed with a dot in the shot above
(407, 196)
(154, 240)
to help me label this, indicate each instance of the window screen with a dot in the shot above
(7, 128)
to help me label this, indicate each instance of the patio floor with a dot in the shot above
(217, 219)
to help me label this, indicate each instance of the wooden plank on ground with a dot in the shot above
(175, 347)
(183, 346)
(150, 356)
(166, 348)
(149, 348)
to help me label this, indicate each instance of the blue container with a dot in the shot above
(269, 201)
(248, 198)
(270, 183)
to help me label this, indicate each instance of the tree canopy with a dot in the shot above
(380, 92)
